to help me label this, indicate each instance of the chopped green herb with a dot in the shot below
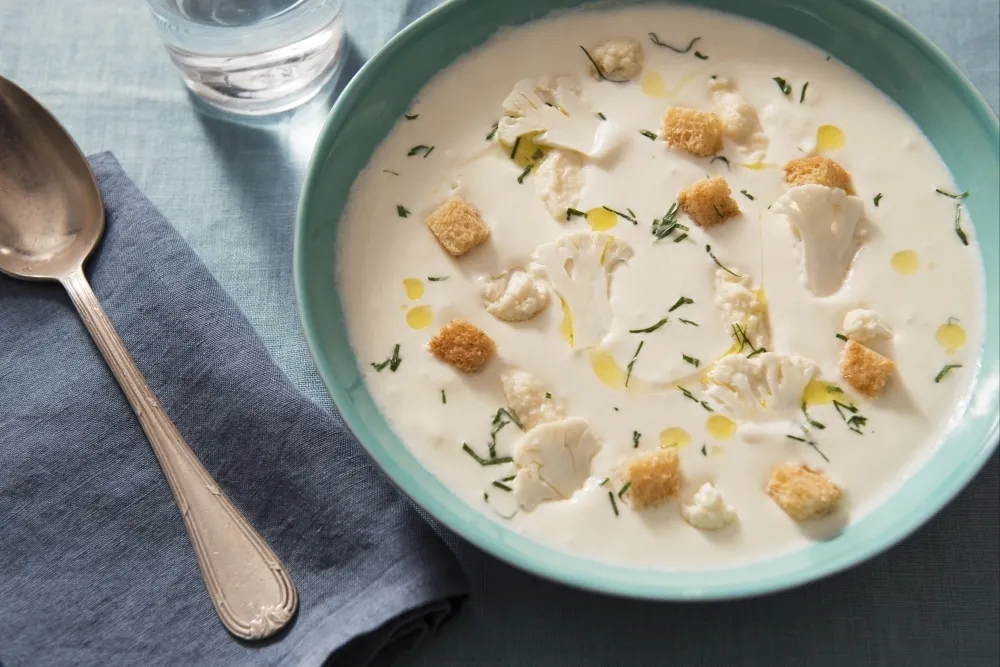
(951, 194)
(828, 57)
(624, 489)
(597, 67)
(651, 328)
(687, 394)
(795, 437)
(810, 442)
(812, 422)
(402, 211)
(662, 227)
(392, 362)
(802, 95)
(548, 395)
(741, 337)
(704, 451)
(958, 225)
(614, 505)
(437, 279)
(721, 158)
(635, 439)
(628, 217)
(830, 389)
(783, 85)
(681, 319)
(855, 422)
(718, 211)
(842, 337)
(409, 117)
(683, 301)
(877, 199)
(485, 462)
(527, 170)
(648, 134)
(390, 171)
(680, 238)
(700, 56)
(656, 40)
(493, 131)
(601, 116)
(759, 350)
(628, 374)
(417, 149)
(708, 407)
(747, 195)
(944, 371)
(604, 481)
(691, 360)
(570, 212)
(631, 212)
(500, 419)
(508, 478)
(538, 154)
(513, 150)
(715, 259)
(444, 397)
(503, 487)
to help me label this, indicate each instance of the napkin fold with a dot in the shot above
(95, 565)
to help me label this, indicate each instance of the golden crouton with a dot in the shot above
(697, 132)
(653, 478)
(708, 202)
(864, 369)
(819, 170)
(463, 345)
(803, 492)
(458, 226)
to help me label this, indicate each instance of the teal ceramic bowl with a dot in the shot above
(862, 34)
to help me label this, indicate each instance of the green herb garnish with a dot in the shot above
(402, 211)
(417, 149)
(651, 328)
(687, 394)
(604, 481)
(741, 337)
(614, 505)
(783, 85)
(392, 362)
(715, 259)
(683, 301)
(570, 212)
(624, 489)
(877, 199)
(704, 452)
(691, 360)
(485, 462)
(628, 374)
(678, 239)
(628, 217)
(700, 56)
(390, 171)
(958, 225)
(527, 170)
(662, 227)
(842, 337)
(513, 150)
(648, 134)
(538, 154)
(830, 389)
(944, 371)
(802, 95)
(635, 439)
(601, 116)
(747, 195)
(444, 397)
(810, 442)
(493, 131)
(854, 422)
(656, 40)
(548, 395)
(951, 194)
(812, 422)
(503, 487)
(681, 319)
(409, 117)
(500, 419)
(437, 279)
(721, 158)
(597, 67)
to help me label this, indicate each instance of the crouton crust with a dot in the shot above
(802, 492)
(708, 202)
(697, 132)
(463, 345)
(819, 170)
(654, 478)
(864, 369)
(458, 226)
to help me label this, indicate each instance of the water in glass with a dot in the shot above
(253, 57)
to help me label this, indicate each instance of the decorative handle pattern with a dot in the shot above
(250, 588)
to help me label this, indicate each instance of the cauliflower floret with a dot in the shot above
(766, 387)
(708, 510)
(620, 58)
(554, 109)
(862, 325)
(514, 296)
(559, 180)
(742, 306)
(579, 266)
(553, 461)
(529, 399)
(740, 118)
(825, 220)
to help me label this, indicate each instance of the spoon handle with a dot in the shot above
(250, 588)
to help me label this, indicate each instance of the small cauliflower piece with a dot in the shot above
(802, 492)
(708, 202)
(463, 345)
(515, 296)
(579, 266)
(743, 306)
(740, 119)
(653, 478)
(865, 369)
(529, 399)
(825, 220)
(553, 461)
(708, 510)
(697, 132)
(862, 325)
(554, 109)
(766, 387)
(619, 58)
(458, 226)
(559, 180)
(818, 170)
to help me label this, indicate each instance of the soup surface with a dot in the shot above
(638, 309)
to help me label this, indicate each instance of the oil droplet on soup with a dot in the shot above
(528, 152)
(601, 219)
(674, 437)
(607, 369)
(906, 262)
(720, 427)
(951, 336)
(829, 138)
(716, 450)
(758, 166)
(420, 317)
(818, 392)
(652, 85)
(566, 326)
(414, 288)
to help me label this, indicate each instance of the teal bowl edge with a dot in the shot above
(890, 53)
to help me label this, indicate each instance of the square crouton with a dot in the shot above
(864, 369)
(802, 492)
(697, 132)
(819, 170)
(708, 202)
(653, 478)
(463, 345)
(458, 226)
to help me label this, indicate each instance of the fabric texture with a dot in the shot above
(231, 191)
(96, 566)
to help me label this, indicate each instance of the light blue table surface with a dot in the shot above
(232, 190)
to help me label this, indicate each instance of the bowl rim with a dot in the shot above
(447, 515)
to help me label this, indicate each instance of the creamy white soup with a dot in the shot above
(718, 296)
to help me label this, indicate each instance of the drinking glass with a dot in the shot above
(253, 57)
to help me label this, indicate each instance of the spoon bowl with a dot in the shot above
(51, 215)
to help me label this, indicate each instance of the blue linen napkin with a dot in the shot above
(95, 565)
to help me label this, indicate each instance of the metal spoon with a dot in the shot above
(51, 218)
